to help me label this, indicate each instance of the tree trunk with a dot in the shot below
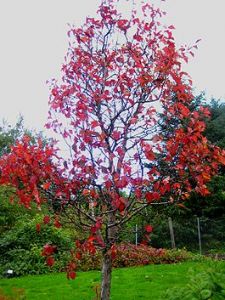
(106, 276)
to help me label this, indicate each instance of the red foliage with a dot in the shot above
(48, 250)
(27, 167)
(148, 228)
(46, 219)
(57, 223)
(71, 267)
(126, 255)
(50, 261)
(38, 227)
(78, 255)
(132, 255)
(71, 275)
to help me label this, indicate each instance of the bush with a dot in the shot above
(21, 248)
(131, 255)
(208, 284)
(128, 255)
(89, 261)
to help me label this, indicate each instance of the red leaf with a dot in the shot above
(78, 255)
(48, 250)
(116, 135)
(183, 109)
(72, 266)
(149, 197)
(46, 219)
(78, 244)
(108, 184)
(93, 229)
(46, 185)
(138, 193)
(156, 196)
(98, 224)
(121, 207)
(122, 182)
(38, 227)
(94, 124)
(150, 155)
(148, 228)
(138, 37)
(71, 275)
(86, 192)
(50, 261)
(57, 224)
(152, 196)
(133, 120)
(120, 151)
(123, 24)
(221, 159)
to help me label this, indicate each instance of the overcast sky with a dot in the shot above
(33, 35)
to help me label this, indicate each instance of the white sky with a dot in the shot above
(33, 36)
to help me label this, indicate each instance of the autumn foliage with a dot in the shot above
(122, 82)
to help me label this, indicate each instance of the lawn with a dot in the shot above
(148, 282)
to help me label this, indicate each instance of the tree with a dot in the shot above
(213, 205)
(10, 212)
(9, 135)
(20, 245)
(117, 73)
(209, 209)
(215, 126)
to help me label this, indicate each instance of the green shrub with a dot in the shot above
(21, 248)
(208, 284)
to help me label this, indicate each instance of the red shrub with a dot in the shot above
(126, 255)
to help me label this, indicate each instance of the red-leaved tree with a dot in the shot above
(122, 87)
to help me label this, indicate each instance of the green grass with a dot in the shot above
(145, 283)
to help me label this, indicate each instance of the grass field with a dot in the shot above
(147, 283)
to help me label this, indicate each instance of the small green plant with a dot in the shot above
(208, 284)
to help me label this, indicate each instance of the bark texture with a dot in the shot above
(106, 276)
